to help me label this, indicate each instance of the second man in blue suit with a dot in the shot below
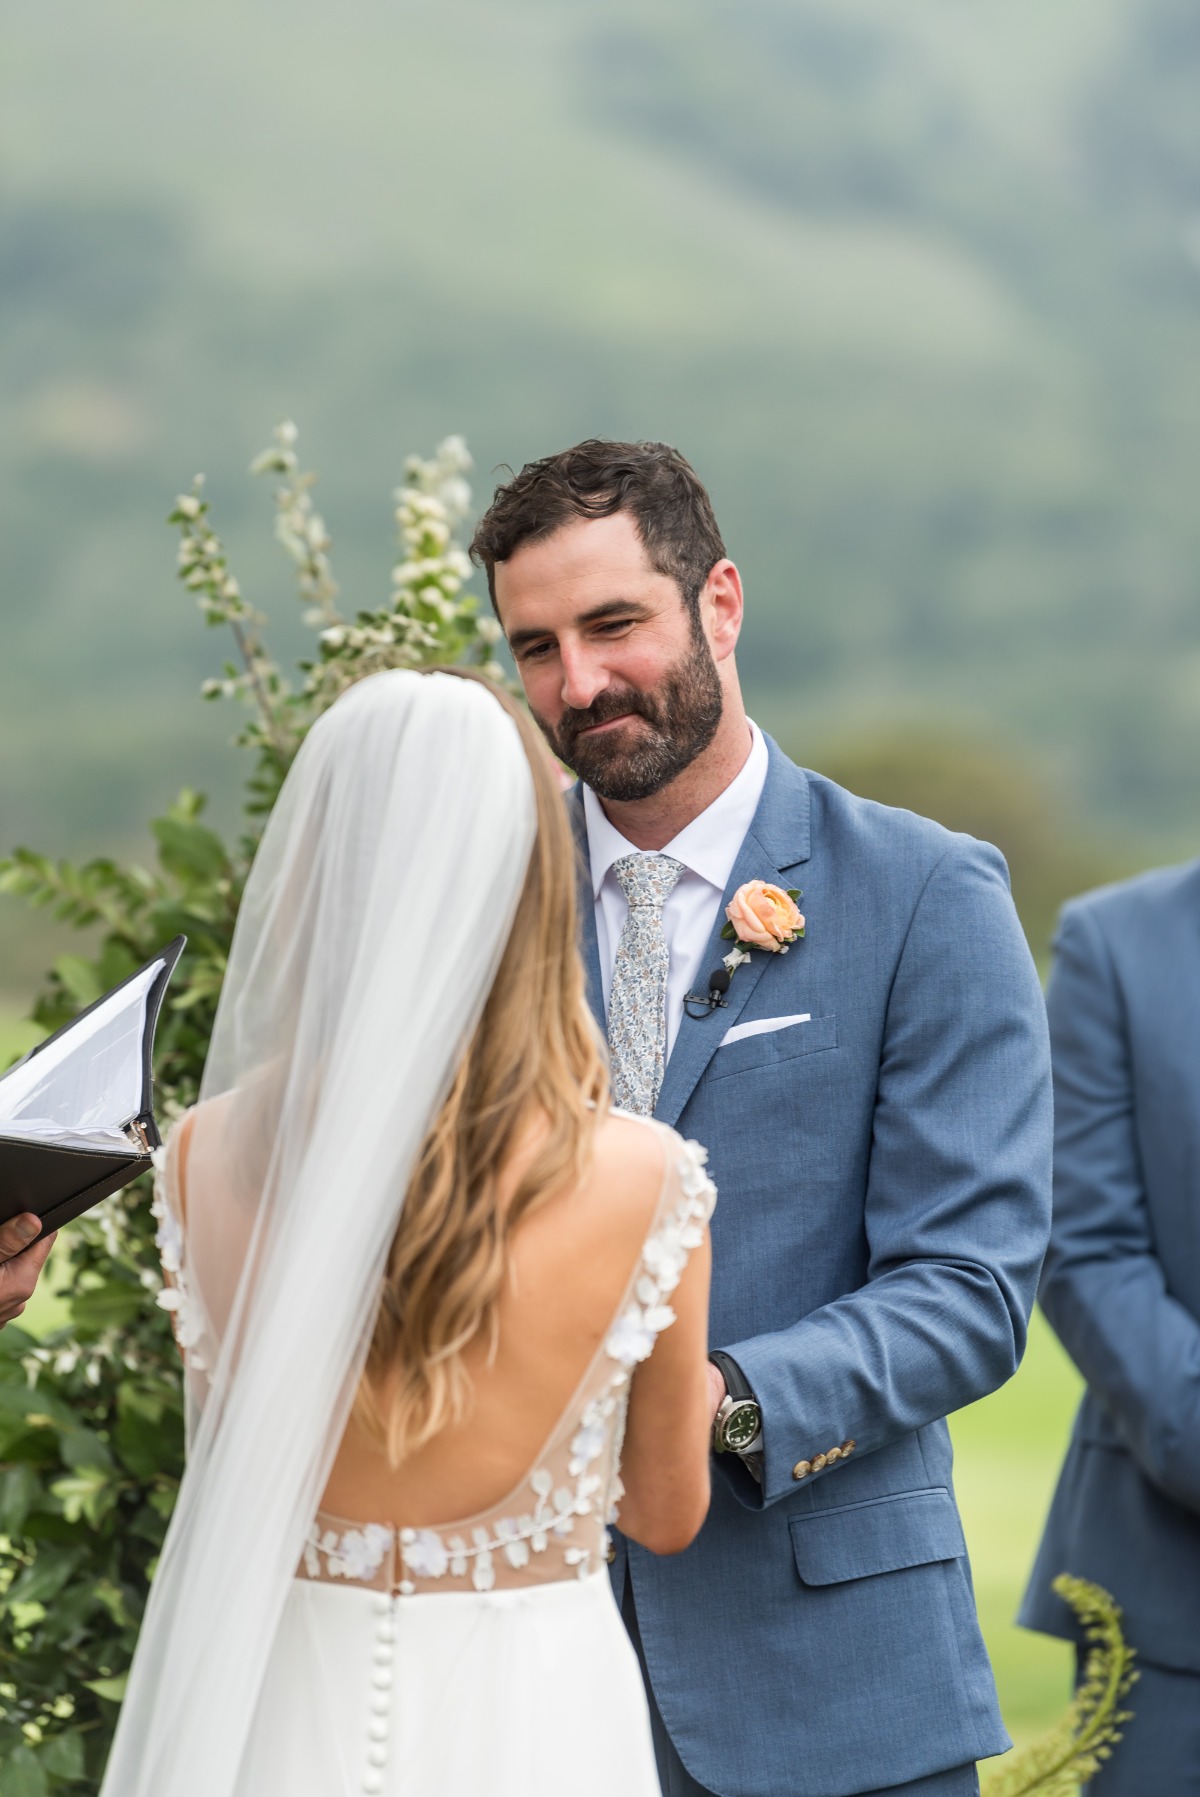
(1122, 1289)
(876, 1106)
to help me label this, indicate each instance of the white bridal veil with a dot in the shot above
(371, 928)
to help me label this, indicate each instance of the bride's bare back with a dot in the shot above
(570, 1264)
(595, 1273)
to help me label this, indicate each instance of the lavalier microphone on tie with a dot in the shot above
(718, 986)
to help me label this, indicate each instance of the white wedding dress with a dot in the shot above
(287, 1654)
(485, 1655)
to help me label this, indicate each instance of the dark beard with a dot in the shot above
(683, 714)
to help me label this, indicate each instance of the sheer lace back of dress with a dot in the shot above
(553, 1524)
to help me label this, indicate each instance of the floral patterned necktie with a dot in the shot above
(637, 1005)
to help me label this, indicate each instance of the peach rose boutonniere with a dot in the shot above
(761, 916)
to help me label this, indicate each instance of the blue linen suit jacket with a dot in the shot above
(1121, 1285)
(884, 1198)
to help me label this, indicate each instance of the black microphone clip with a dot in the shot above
(718, 986)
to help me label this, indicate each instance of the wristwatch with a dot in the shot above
(737, 1426)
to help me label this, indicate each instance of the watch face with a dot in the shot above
(741, 1425)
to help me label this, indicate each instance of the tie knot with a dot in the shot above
(647, 879)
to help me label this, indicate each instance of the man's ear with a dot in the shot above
(721, 608)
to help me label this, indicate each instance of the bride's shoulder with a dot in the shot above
(638, 1156)
(631, 1156)
(663, 1160)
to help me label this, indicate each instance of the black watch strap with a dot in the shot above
(736, 1382)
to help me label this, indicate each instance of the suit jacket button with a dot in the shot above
(819, 1462)
(832, 1455)
(802, 1469)
(610, 1551)
(847, 1448)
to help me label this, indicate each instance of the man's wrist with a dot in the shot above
(737, 1425)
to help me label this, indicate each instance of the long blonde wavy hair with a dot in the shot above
(535, 1061)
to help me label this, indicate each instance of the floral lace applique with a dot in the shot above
(186, 1312)
(358, 1554)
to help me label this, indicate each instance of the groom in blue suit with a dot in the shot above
(876, 1106)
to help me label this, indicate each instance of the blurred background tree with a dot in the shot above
(989, 791)
(916, 288)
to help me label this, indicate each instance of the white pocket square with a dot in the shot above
(760, 1027)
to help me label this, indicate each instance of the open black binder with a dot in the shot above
(76, 1121)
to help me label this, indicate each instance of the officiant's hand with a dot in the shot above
(20, 1265)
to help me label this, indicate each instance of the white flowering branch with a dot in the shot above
(299, 528)
(429, 616)
(204, 570)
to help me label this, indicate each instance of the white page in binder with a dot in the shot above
(80, 1091)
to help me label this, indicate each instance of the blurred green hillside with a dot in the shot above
(917, 289)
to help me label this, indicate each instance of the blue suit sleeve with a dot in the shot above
(1104, 1289)
(957, 1204)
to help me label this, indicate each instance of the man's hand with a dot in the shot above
(20, 1264)
(717, 1393)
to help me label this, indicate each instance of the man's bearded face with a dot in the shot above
(661, 732)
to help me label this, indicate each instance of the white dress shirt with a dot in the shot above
(708, 848)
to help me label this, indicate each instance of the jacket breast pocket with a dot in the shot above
(774, 1046)
(859, 1541)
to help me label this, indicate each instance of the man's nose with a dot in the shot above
(583, 677)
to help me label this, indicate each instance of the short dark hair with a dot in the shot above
(650, 481)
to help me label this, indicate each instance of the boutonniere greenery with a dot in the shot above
(760, 915)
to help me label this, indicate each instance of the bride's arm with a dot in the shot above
(665, 1462)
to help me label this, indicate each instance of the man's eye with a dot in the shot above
(534, 652)
(611, 626)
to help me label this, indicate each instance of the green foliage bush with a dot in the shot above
(91, 1416)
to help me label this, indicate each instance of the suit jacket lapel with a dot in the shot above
(778, 839)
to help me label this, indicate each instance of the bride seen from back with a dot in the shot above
(422, 1278)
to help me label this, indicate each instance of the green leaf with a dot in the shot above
(117, 961)
(20, 1489)
(190, 850)
(134, 1400)
(84, 1448)
(111, 1689)
(86, 1495)
(62, 1755)
(728, 934)
(108, 1306)
(24, 1775)
(81, 979)
(46, 1577)
(163, 1500)
(36, 1406)
(15, 1343)
(144, 1443)
(112, 1599)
